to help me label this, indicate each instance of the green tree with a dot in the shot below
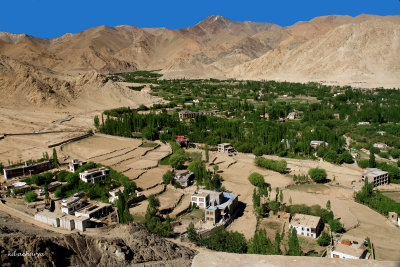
(294, 247)
(346, 157)
(324, 239)
(207, 154)
(167, 177)
(372, 162)
(96, 121)
(46, 192)
(318, 175)
(192, 234)
(328, 205)
(281, 196)
(277, 244)
(55, 158)
(336, 226)
(177, 160)
(215, 168)
(199, 170)
(30, 196)
(256, 179)
(259, 244)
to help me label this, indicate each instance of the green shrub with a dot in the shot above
(363, 163)
(30, 196)
(318, 175)
(256, 179)
(336, 226)
(324, 239)
(275, 165)
(167, 177)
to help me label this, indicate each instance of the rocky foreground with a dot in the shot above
(124, 245)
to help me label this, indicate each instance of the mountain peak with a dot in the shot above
(215, 19)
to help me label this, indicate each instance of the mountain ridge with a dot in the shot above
(218, 47)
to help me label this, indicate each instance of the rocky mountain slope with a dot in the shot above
(126, 245)
(347, 50)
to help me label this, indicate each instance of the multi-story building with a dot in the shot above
(97, 210)
(27, 169)
(307, 225)
(75, 164)
(226, 148)
(218, 206)
(93, 175)
(350, 247)
(200, 199)
(72, 204)
(375, 176)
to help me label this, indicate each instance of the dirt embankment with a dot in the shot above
(124, 245)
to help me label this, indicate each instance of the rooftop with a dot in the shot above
(351, 245)
(374, 172)
(305, 220)
(95, 170)
(93, 208)
(201, 194)
(48, 214)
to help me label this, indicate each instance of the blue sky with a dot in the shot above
(52, 18)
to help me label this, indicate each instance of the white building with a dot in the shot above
(72, 204)
(93, 175)
(363, 123)
(376, 176)
(292, 116)
(200, 199)
(75, 164)
(350, 247)
(380, 145)
(48, 218)
(226, 148)
(315, 144)
(306, 225)
(218, 207)
(114, 194)
(97, 210)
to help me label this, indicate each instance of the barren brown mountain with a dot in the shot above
(362, 51)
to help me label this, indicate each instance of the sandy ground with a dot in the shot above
(207, 259)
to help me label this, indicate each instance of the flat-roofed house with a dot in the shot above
(315, 144)
(97, 210)
(350, 247)
(200, 199)
(185, 179)
(307, 225)
(67, 222)
(380, 145)
(114, 194)
(75, 164)
(226, 148)
(27, 169)
(220, 206)
(93, 175)
(375, 176)
(72, 204)
(48, 218)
